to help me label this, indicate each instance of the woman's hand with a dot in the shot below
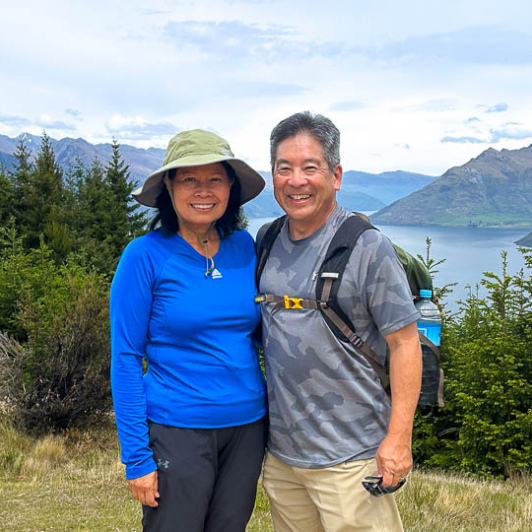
(144, 489)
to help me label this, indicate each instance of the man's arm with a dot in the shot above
(394, 456)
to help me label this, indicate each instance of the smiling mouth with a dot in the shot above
(299, 197)
(202, 206)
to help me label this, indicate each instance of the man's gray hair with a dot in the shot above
(319, 127)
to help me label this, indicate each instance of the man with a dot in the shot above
(331, 423)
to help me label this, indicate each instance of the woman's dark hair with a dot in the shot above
(233, 219)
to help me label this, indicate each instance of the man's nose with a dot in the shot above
(297, 178)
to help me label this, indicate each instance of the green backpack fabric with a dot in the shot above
(416, 272)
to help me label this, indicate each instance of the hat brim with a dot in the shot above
(251, 182)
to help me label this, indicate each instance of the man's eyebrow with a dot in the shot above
(286, 161)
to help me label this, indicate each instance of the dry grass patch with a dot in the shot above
(445, 502)
(76, 482)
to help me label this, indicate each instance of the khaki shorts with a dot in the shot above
(327, 500)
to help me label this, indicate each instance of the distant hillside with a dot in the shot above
(360, 191)
(526, 241)
(494, 189)
(385, 187)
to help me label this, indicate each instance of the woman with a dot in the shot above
(192, 429)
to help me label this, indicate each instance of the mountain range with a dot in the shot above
(491, 190)
(141, 162)
(360, 191)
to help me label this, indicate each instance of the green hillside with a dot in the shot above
(494, 189)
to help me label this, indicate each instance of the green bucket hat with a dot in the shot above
(197, 148)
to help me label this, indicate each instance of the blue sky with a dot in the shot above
(417, 85)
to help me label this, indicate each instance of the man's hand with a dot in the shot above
(394, 455)
(144, 489)
(394, 459)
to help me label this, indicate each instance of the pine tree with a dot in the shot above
(7, 191)
(20, 177)
(93, 202)
(75, 176)
(94, 205)
(124, 220)
(42, 195)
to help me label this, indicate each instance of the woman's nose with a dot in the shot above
(202, 189)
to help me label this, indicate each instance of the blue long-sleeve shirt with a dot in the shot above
(195, 333)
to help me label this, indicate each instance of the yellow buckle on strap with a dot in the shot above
(292, 302)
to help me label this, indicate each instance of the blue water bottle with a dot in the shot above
(429, 325)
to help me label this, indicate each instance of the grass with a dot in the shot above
(76, 482)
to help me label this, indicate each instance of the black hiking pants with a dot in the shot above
(207, 478)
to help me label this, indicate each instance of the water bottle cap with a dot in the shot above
(425, 294)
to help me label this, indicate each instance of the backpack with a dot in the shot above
(328, 282)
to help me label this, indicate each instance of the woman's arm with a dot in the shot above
(130, 308)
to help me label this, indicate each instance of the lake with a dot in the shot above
(468, 252)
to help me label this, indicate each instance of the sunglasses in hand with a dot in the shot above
(375, 487)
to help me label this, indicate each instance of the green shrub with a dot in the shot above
(58, 375)
(486, 426)
(66, 367)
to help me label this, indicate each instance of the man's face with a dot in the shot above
(303, 185)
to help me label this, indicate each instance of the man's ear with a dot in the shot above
(337, 174)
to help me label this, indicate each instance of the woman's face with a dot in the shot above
(201, 194)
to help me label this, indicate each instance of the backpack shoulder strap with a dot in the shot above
(336, 259)
(328, 283)
(264, 240)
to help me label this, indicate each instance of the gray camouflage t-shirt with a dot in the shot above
(326, 403)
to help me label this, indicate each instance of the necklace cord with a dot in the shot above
(209, 261)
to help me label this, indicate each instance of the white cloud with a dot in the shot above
(479, 45)
(138, 128)
(464, 140)
(11, 120)
(347, 106)
(510, 132)
(497, 108)
(74, 112)
(391, 75)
